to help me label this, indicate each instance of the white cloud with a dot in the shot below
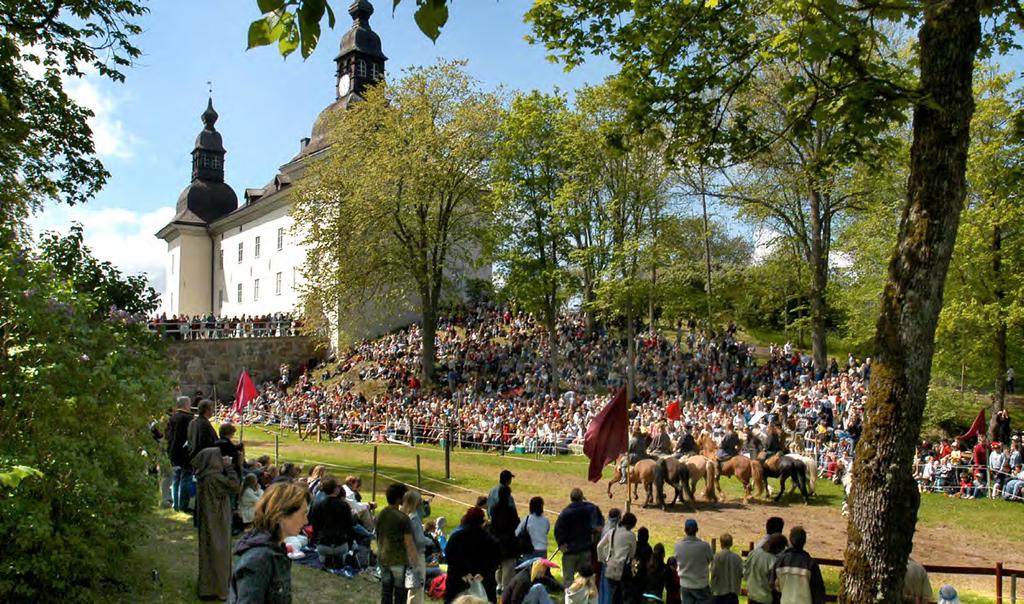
(109, 135)
(124, 237)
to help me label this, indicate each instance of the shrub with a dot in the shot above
(81, 380)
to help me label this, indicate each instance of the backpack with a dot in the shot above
(436, 589)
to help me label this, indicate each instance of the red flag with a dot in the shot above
(244, 393)
(672, 411)
(606, 436)
(978, 427)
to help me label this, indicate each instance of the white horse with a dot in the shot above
(812, 472)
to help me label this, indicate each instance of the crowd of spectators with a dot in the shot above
(204, 327)
(495, 387)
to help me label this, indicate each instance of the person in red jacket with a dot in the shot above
(980, 457)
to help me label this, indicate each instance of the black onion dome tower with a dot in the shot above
(360, 63)
(207, 197)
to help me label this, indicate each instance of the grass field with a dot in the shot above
(953, 532)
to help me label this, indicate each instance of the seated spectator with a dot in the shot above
(251, 493)
(332, 525)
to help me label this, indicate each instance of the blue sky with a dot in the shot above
(146, 127)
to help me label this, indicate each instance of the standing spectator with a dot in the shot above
(471, 551)
(979, 457)
(396, 548)
(263, 572)
(177, 451)
(537, 525)
(796, 575)
(1009, 380)
(332, 525)
(757, 569)
(1002, 429)
(655, 572)
(616, 551)
(217, 481)
(996, 461)
(575, 530)
(200, 432)
(694, 557)
(641, 565)
(726, 573)
(916, 587)
(673, 591)
(773, 526)
(504, 479)
(411, 506)
(504, 520)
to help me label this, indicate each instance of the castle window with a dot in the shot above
(374, 71)
(280, 238)
(239, 252)
(361, 68)
(277, 284)
(239, 293)
(256, 290)
(256, 252)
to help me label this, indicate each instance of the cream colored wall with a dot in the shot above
(194, 265)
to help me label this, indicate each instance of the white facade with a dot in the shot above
(188, 272)
(258, 264)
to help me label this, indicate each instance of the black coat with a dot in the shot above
(470, 550)
(177, 439)
(332, 522)
(503, 528)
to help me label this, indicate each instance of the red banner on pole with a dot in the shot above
(607, 437)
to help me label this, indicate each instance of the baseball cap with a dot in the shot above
(690, 525)
(505, 475)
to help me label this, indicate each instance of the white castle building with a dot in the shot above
(231, 260)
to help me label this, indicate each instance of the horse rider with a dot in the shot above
(636, 451)
(774, 447)
(729, 446)
(752, 445)
(686, 445)
(662, 443)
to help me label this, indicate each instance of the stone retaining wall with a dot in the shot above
(204, 364)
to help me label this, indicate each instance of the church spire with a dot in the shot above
(208, 154)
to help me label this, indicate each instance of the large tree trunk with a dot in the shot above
(999, 401)
(819, 282)
(884, 496)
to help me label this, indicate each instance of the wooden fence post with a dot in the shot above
(374, 483)
(999, 583)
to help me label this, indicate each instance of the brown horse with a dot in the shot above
(747, 471)
(702, 467)
(641, 472)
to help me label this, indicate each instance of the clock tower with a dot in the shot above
(360, 61)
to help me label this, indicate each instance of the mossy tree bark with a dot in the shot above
(884, 496)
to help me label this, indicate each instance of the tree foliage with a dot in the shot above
(297, 24)
(81, 379)
(398, 207)
(46, 147)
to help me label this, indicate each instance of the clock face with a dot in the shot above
(344, 84)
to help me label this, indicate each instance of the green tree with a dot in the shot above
(46, 148)
(530, 171)
(81, 379)
(986, 289)
(399, 206)
(685, 62)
